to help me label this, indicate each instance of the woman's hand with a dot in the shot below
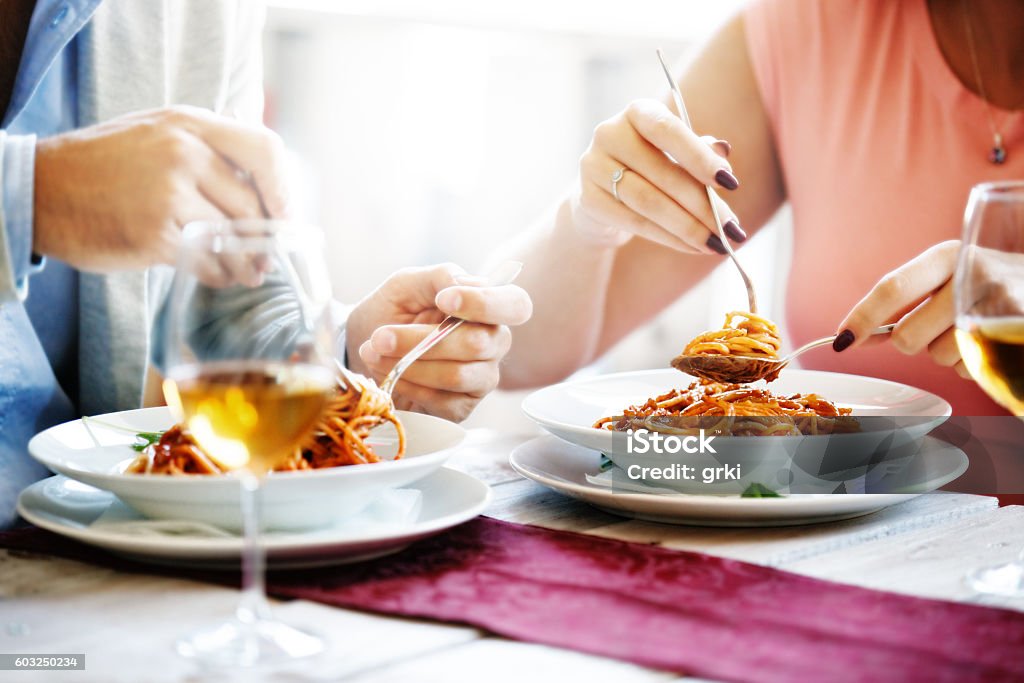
(919, 295)
(661, 195)
(451, 378)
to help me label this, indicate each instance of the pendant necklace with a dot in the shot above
(998, 153)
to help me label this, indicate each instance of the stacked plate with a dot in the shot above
(325, 516)
(574, 463)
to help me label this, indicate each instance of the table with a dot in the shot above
(126, 623)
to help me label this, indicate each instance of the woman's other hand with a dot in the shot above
(918, 296)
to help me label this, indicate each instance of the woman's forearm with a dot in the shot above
(642, 178)
(567, 275)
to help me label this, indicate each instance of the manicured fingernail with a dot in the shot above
(724, 146)
(384, 341)
(726, 180)
(449, 301)
(843, 341)
(715, 243)
(734, 231)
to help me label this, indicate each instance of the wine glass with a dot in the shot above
(244, 342)
(989, 291)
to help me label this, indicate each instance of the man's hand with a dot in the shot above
(450, 379)
(115, 196)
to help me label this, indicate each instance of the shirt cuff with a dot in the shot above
(17, 176)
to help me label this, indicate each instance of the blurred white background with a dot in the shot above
(428, 132)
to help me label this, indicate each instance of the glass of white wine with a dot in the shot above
(989, 286)
(244, 341)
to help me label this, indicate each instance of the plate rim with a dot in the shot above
(586, 491)
(34, 448)
(200, 548)
(548, 423)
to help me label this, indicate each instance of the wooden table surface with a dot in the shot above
(126, 623)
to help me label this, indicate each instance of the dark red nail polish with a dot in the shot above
(726, 180)
(715, 243)
(843, 341)
(734, 231)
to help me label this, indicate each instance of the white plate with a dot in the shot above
(564, 467)
(569, 410)
(67, 507)
(291, 500)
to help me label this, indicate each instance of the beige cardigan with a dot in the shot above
(143, 54)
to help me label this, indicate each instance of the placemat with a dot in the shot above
(685, 612)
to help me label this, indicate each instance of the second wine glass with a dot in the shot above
(989, 285)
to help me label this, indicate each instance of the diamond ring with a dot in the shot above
(616, 177)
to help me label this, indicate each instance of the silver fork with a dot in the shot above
(678, 99)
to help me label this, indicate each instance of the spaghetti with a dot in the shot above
(743, 334)
(339, 438)
(734, 410)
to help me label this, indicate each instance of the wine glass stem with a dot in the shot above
(253, 604)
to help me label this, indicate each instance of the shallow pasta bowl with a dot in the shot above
(895, 417)
(97, 452)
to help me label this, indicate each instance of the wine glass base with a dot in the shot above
(236, 643)
(1002, 579)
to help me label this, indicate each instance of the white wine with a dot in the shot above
(249, 414)
(993, 351)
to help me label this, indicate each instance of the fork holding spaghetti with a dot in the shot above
(743, 334)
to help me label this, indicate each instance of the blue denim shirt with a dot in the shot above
(38, 328)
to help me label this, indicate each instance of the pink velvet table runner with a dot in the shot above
(680, 611)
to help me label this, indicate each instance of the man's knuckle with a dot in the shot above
(178, 146)
(457, 375)
(449, 267)
(479, 342)
(490, 380)
(404, 275)
(443, 274)
(463, 408)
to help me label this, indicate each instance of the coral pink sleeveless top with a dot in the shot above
(879, 144)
